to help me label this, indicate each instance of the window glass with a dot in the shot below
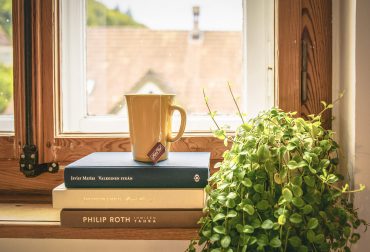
(6, 67)
(114, 47)
(6, 58)
(163, 46)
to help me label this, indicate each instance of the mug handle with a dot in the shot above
(182, 125)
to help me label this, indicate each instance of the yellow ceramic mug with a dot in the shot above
(150, 122)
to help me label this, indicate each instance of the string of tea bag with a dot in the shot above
(160, 119)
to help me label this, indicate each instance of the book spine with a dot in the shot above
(107, 177)
(130, 219)
(129, 198)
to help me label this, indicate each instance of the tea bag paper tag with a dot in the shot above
(156, 152)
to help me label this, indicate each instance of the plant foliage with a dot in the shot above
(6, 86)
(99, 14)
(278, 189)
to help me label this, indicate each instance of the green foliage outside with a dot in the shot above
(278, 189)
(99, 15)
(6, 72)
(6, 17)
(6, 86)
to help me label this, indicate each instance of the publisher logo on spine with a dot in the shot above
(196, 178)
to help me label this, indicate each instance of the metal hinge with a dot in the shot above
(304, 72)
(28, 161)
(29, 164)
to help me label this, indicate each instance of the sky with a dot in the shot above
(215, 15)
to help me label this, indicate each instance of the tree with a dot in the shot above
(100, 15)
(6, 86)
(6, 17)
(6, 72)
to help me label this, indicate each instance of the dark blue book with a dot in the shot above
(119, 170)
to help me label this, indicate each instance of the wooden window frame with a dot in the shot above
(15, 187)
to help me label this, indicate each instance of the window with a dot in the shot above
(6, 67)
(111, 47)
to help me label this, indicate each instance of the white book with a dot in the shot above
(128, 198)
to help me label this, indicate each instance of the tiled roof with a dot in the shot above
(118, 58)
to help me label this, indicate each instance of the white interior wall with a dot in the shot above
(351, 73)
(361, 171)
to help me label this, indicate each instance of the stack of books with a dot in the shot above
(110, 189)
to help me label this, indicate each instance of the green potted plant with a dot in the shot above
(278, 189)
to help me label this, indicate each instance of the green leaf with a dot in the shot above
(247, 182)
(277, 179)
(248, 229)
(311, 236)
(225, 241)
(263, 153)
(310, 181)
(263, 205)
(262, 240)
(249, 209)
(207, 233)
(256, 223)
(232, 214)
(247, 127)
(215, 237)
(259, 188)
(324, 163)
(239, 227)
(226, 142)
(307, 209)
(297, 191)
(319, 239)
(303, 248)
(275, 242)
(295, 218)
(219, 229)
(282, 219)
(232, 195)
(292, 165)
(230, 203)
(354, 237)
(295, 241)
(331, 178)
(312, 223)
(297, 181)
(347, 231)
(218, 217)
(267, 224)
(298, 202)
(287, 194)
(217, 165)
(291, 147)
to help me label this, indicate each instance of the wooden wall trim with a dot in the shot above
(289, 55)
(317, 32)
(308, 20)
(70, 149)
(8, 147)
(54, 230)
